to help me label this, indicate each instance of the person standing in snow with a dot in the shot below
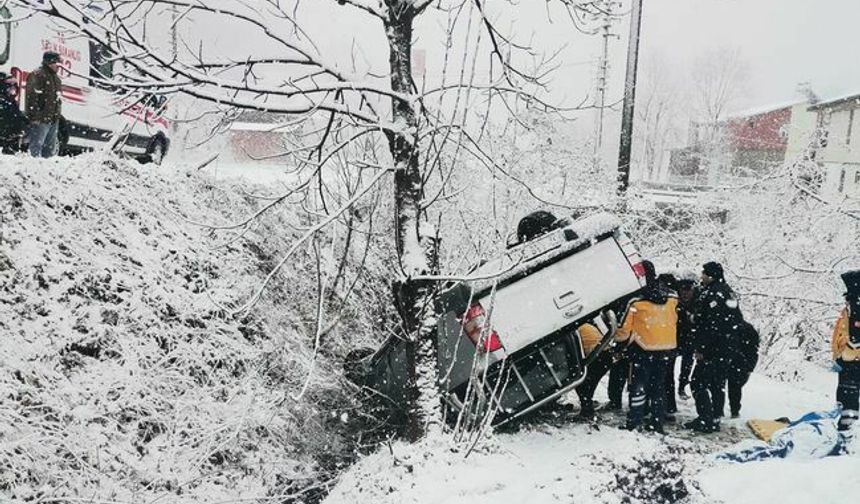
(590, 336)
(649, 330)
(845, 345)
(717, 316)
(13, 122)
(44, 107)
(742, 357)
(686, 298)
(619, 372)
(669, 282)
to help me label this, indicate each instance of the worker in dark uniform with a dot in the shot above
(717, 316)
(686, 307)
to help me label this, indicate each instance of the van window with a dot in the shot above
(101, 64)
(5, 34)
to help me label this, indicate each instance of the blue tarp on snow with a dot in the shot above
(814, 435)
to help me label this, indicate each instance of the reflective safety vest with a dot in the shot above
(839, 341)
(590, 336)
(650, 325)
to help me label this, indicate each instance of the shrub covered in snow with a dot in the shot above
(126, 373)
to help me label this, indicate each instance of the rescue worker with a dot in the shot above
(845, 345)
(619, 374)
(649, 330)
(590, 336)
(44, 107)
(717, 315)
(742, 359)
(686, 307)
(13, 122)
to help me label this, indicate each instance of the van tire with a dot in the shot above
(63, 138)
(156, 150)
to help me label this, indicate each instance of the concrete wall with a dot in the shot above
(801, 129)
(840, 147)
(841, 180)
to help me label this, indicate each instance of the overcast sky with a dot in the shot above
(784, 41)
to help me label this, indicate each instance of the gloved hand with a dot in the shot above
(836, 367)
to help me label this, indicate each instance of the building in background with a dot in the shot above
(744, 144)
(840, 150)
(757, 139)
(802, 132)
(257, 136)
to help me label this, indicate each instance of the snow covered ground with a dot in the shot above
(571, 462)
(123, 380)
(123, 375)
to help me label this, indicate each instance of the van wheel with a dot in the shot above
(63, 138)
(157, 150)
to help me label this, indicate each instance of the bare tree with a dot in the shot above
(658, 115)
(341, 114)
(719, 80)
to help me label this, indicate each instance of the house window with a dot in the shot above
(841, 180)
(850, 127)
(857, 177)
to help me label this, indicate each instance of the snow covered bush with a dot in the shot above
(126, 373)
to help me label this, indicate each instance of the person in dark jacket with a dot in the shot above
(649, 330)
(13, 123)
(619, 373)
(686, 307)
(717, 316)
(670, 283)
(44, 107)
(742, 358)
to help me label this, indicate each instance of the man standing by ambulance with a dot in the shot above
(44, 107)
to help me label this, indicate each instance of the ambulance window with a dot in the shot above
(101, 65)
(5, 34)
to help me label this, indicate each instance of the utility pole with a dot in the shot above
(174, 19)
(629, 100)
(602, 77)
(174, 53)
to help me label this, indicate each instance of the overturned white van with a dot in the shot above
(506, 337)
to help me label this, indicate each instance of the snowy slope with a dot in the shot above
(123, 374)
(569, 462)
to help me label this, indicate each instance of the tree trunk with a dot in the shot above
(415, 301)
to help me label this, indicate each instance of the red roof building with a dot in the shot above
(758, 139)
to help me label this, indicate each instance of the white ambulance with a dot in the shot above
(94, 113)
